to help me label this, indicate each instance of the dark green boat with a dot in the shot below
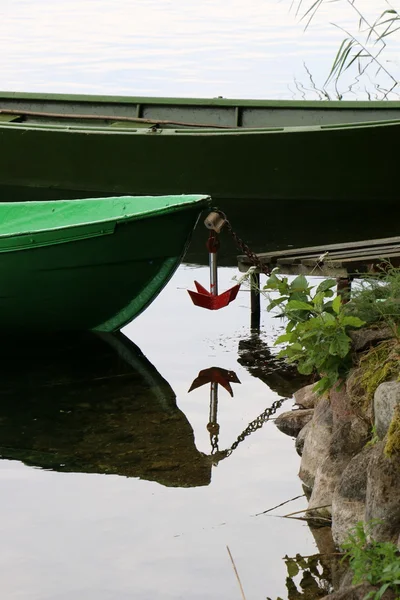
(89, 264)
(56, 146)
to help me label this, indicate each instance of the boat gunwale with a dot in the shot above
(223, 102)
(211, 131)
(202, 200)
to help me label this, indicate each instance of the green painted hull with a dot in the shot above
(89, 264)
(278, 150)
(341, 163)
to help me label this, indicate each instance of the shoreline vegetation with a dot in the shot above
(364, 60)
(347, 427)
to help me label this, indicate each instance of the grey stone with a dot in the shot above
(349, 497)
(293, 421)
(383, 495)
(386, 398)
(301, 438)
(366, 337)
(305, 397)
(343, 410)
(316, 445)
(346, 441)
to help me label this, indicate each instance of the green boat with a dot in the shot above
(89, 264)
(56, 146)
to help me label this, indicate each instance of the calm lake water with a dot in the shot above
(94, 506)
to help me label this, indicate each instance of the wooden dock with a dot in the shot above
(344, 262)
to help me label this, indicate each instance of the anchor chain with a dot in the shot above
(243, 246)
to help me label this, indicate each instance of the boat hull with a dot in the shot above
(99, 283)
(325, 164)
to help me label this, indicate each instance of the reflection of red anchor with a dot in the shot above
(215, 375)
(211, 299)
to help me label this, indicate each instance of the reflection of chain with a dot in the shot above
(214, 443)
(257, 423)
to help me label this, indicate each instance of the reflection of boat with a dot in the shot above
(92, 263)
(94, 405)
(271, 150)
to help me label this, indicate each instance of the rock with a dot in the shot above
(293, 421)
(346, 441)
(326, 479)
(386, 398)
(358, 592)
(366, 337)
(383, 493)
(301, 438)
(343, 410)
(349, 497)
(357, 394)
(305, 397)
(317, 441)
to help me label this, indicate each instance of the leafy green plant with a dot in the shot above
(377, 563)
(316, 336)
(376, 299)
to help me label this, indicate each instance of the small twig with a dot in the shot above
(236, 573)
(306, 510)
(278, 505)
(307, 519)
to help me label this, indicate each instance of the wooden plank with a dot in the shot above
(9, 118)
(373, 258)
(352, 259)
(366, 255)
(267, 256)
(51, 115)
(337, 255)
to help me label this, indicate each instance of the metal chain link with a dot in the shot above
(264, 268)
(257, 423)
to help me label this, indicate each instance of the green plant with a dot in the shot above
(363, 50)
(317, 327)
(376, 299)
(374, 438)
(377, 563)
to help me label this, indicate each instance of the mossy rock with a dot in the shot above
(392, 446)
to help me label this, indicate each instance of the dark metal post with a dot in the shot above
(255, 301)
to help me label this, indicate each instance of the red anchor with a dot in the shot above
(211, 299)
